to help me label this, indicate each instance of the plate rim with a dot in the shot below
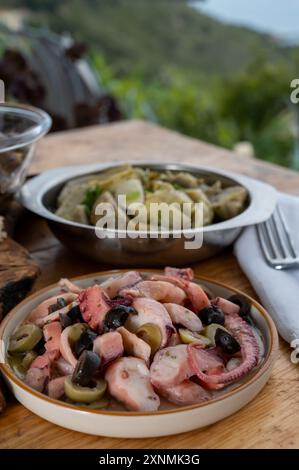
(269, 360)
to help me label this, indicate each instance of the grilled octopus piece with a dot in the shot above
(195, 294)
(129, 382)
(161, 291)
(183, 316)
(113, 285)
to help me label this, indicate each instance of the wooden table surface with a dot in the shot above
(271, 420)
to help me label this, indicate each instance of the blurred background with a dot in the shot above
(217, 70)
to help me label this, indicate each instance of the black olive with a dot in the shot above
(85, 342)
(226, 342)
(72, 316)
(40, 347)
(60, 303)
(211, 314)
(65, 320)
(75, 314)
(87, 365)
(245, 307)
(117, 316)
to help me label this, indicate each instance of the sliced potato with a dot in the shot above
(107, 197)
(131, 188)
(162, 185)
(184, 179)
(230, 202)
(109, 178)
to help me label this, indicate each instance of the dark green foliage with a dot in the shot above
(169, 64)
(149, 36)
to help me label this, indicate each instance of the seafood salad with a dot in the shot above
(79, 197)
(136, 340)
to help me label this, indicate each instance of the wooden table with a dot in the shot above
(271, 420)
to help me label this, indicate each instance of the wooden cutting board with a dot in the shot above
(17, 274)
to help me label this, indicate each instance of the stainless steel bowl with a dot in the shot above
(40, 195)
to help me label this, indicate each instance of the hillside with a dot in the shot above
(151, 36)
(168, 63)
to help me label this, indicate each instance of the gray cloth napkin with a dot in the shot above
(278, 290)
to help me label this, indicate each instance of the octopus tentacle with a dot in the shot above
(249, 350)
(176, 281)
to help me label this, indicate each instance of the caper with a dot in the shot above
(189, 337)
(151, 334)
(84, 394)
(25, 338)
(210, 331)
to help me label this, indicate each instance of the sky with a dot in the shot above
(279, 17)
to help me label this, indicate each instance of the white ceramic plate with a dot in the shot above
(138, 424)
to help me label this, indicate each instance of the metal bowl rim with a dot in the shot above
(44, 182)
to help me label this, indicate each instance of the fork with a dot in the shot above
(276, 242)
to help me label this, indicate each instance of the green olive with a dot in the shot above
(151, 334)
(28, 359)
(16, 363)
(20, 363)
(210, 331)
(99, 404)
(84, 394)
(25, 338)
(96, 405)
(76, 331)
(189, 337)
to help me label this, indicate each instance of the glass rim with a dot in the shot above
(41, 123)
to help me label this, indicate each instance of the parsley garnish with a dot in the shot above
(90, 198)
(131, 197)
(177, 186)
